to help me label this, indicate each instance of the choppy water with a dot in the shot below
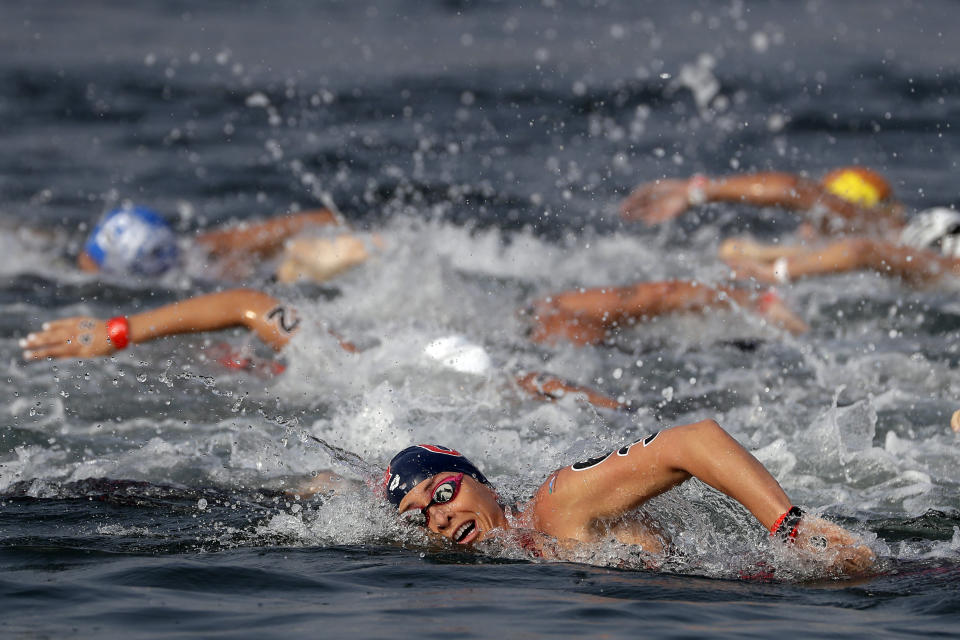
(489, 143)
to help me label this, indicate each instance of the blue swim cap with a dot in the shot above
(415, 464)
(133, 240)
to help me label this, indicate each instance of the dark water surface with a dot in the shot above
(490, 143)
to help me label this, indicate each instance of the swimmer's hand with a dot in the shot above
(776, 312)
(82, 337)
(839, 549)
(550, 388)
(323, 482)
(320, 259)
(656, 202)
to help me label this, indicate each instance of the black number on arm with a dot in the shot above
(279, 316)
(589, 463)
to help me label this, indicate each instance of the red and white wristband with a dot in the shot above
(696, 189)
(118, 332)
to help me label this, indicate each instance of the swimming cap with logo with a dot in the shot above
(133, 240)
(415, 464)
(857, 185)
(937, 229)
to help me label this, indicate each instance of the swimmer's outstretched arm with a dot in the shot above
(572, 502)
(587, 316)
(550, 388)
(324, 482)
(85, 337)
(663, 200)
(777, 263)
(264, 237)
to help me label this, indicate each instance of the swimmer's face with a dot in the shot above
(455, 506)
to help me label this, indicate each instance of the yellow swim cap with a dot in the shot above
(857, 185)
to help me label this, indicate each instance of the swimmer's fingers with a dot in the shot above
(72, 323)
(841, 549)
(42, 353)
(82, 336)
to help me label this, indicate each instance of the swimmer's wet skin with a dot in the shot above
(590, 316)
(441, 489)
(274, 323)
(85, 337)
(926, 250)
(135, 240)
(848, 198)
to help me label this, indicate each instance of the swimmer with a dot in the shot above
(923, 252)
(919, 251)
(134, 240)
(591, 316)
(596, 500)
(846, 199)
(272, 321)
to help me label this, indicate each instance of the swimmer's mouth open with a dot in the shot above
(465, 532)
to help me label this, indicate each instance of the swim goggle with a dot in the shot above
(444, 492)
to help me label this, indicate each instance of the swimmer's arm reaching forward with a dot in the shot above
(589, 316)
(549, 387)
(663, 200)
(264, 237)
(580, 500)
(85, 337)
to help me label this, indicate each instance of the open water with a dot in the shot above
(489, 143)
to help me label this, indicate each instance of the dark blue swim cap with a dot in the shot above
(415, 464)
(133, 240)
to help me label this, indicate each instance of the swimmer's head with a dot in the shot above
(415, 464)
(860, 186)
(133, 240)
(937, 229)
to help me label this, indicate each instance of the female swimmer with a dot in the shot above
(596, 499)
(133, 240)
(269, 319)
(921, 251)
(846, 199)
(590, 316)
(926, 250)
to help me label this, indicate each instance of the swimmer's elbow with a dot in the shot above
(250, 305)
(272, 321)
(708, 426)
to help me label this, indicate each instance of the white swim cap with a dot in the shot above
(937, 229)
(457, 353)
(133, 240)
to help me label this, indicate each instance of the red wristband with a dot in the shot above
(786, 525)
(767, 300)
(118, 331)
